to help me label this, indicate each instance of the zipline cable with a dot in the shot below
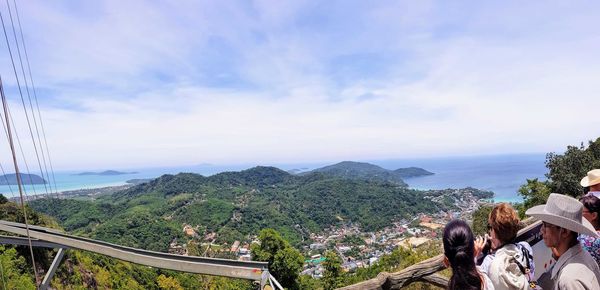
(9, 113)
(28, 95)
(22, 154)
(36, 103)
(19, 182)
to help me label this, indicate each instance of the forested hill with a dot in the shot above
(412, 172)
(11, 179)
(236, 204)
(360, 170)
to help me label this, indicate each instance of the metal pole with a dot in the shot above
(52, 270)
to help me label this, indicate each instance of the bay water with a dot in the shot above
(502, 174)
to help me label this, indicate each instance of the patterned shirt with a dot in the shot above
(592, 245)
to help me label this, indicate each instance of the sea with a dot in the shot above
(501, 174)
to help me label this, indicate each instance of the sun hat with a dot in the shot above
(565, 212)
(592, 178)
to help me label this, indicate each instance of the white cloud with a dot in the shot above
(144, 84)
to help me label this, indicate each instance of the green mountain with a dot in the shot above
(237, 204)
(11, 179)
(412, 172)
(362, 171)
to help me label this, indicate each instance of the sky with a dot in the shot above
(126, 84)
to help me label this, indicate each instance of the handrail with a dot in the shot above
(426, 271)
(210, 266)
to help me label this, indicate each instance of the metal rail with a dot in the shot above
(12, 240)
(200, 265)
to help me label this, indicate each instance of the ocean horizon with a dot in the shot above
(501, 174)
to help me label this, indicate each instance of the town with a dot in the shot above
(355, 247)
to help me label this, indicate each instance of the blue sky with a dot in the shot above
(164, 83)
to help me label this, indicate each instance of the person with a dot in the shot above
(562, 218)
(591, 211)
(459, 250)
(591, 183)
(510, 264)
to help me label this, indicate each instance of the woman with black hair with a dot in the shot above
(459, 249)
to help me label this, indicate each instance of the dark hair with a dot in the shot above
(459, 249)
(592, 204)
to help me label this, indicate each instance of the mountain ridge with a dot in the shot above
(11, 179)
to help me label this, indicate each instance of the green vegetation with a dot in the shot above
(400, 258)
(333, 275)
(480, 220)
(213, 213)
(412, 172)
(360, 170)
(564, 174)
(16, 274)
(83, 270)
(285, 262)
(235, 205)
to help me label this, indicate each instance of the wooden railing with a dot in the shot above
(426, 271)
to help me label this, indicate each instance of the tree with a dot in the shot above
(287, 265)
(566, 170)
(333, 275)
(284, 261)
(168, 283)
(534, 192)
(480, 220)
(564, 174)
(15, 273)
(271, 242)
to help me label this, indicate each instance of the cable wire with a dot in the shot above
(19, 182)
(36, 103)
(28, 96)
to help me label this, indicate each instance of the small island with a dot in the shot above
(107, 172)
(412, 172)
(11, 179)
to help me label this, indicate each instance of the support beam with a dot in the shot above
(264, 279)
(10, 240)
(52, 270)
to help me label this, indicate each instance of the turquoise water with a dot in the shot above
(502, 174)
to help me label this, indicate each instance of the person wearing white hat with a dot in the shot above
(592, 181)
(562, 219)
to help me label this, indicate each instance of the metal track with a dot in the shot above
(210, 266)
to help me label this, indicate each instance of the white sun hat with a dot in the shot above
(565, 212)
(592, 178)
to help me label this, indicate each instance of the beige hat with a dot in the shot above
(565, 212)
(592, 178)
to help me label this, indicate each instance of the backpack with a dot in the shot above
(512, 268)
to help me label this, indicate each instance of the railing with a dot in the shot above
(426, 271)
(49, 238)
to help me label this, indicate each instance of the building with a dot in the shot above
(235, 246)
